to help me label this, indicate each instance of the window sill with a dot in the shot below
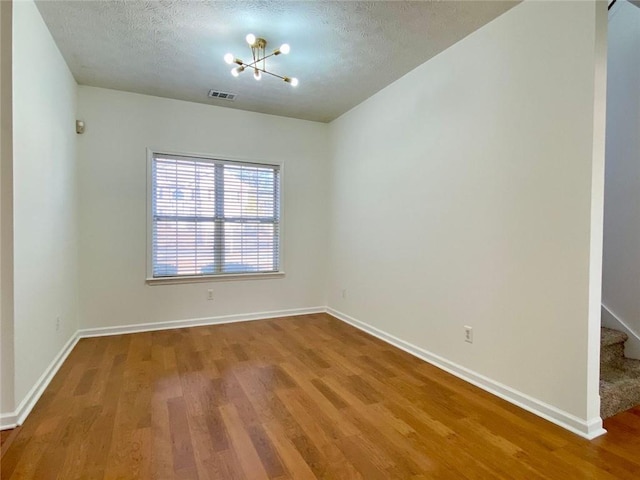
(213, 278)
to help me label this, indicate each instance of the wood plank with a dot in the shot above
(289, 398)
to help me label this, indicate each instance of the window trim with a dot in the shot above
(151, 280)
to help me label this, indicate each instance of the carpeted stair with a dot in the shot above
(619, 376)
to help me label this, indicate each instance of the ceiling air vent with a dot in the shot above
(222, 95)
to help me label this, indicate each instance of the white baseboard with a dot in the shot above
(611, 320)
(18, 416)
(195, 322)
(586, 429)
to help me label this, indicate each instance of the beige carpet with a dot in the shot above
(619, 376)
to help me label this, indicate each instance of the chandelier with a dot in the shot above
(259, 63)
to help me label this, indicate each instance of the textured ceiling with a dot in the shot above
(342, 52)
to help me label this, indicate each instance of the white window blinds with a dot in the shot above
(213, 217)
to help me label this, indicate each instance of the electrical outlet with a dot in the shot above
(344, 293)
(210, 294)
(57, 323)
(468, 334)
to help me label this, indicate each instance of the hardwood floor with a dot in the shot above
(290, 398)
(5, 437)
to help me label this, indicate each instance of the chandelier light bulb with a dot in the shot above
(229, 58)
(235, 72)
(294, 82)
(250, 38)
(285, 48)
(257, 74)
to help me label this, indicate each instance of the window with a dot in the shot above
(213, 217)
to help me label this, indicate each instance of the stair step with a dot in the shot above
(611, 348)
(609, 336)
(619, 388)
(612, 356)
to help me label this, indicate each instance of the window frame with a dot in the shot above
(151, 280)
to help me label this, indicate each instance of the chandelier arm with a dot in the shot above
(243, 64)
(257, 60)
(254, 64)
(272, 74)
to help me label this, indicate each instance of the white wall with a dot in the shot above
(45, 201)
(462, 195)
(621, 265)
(112, 174)
(6, 213)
